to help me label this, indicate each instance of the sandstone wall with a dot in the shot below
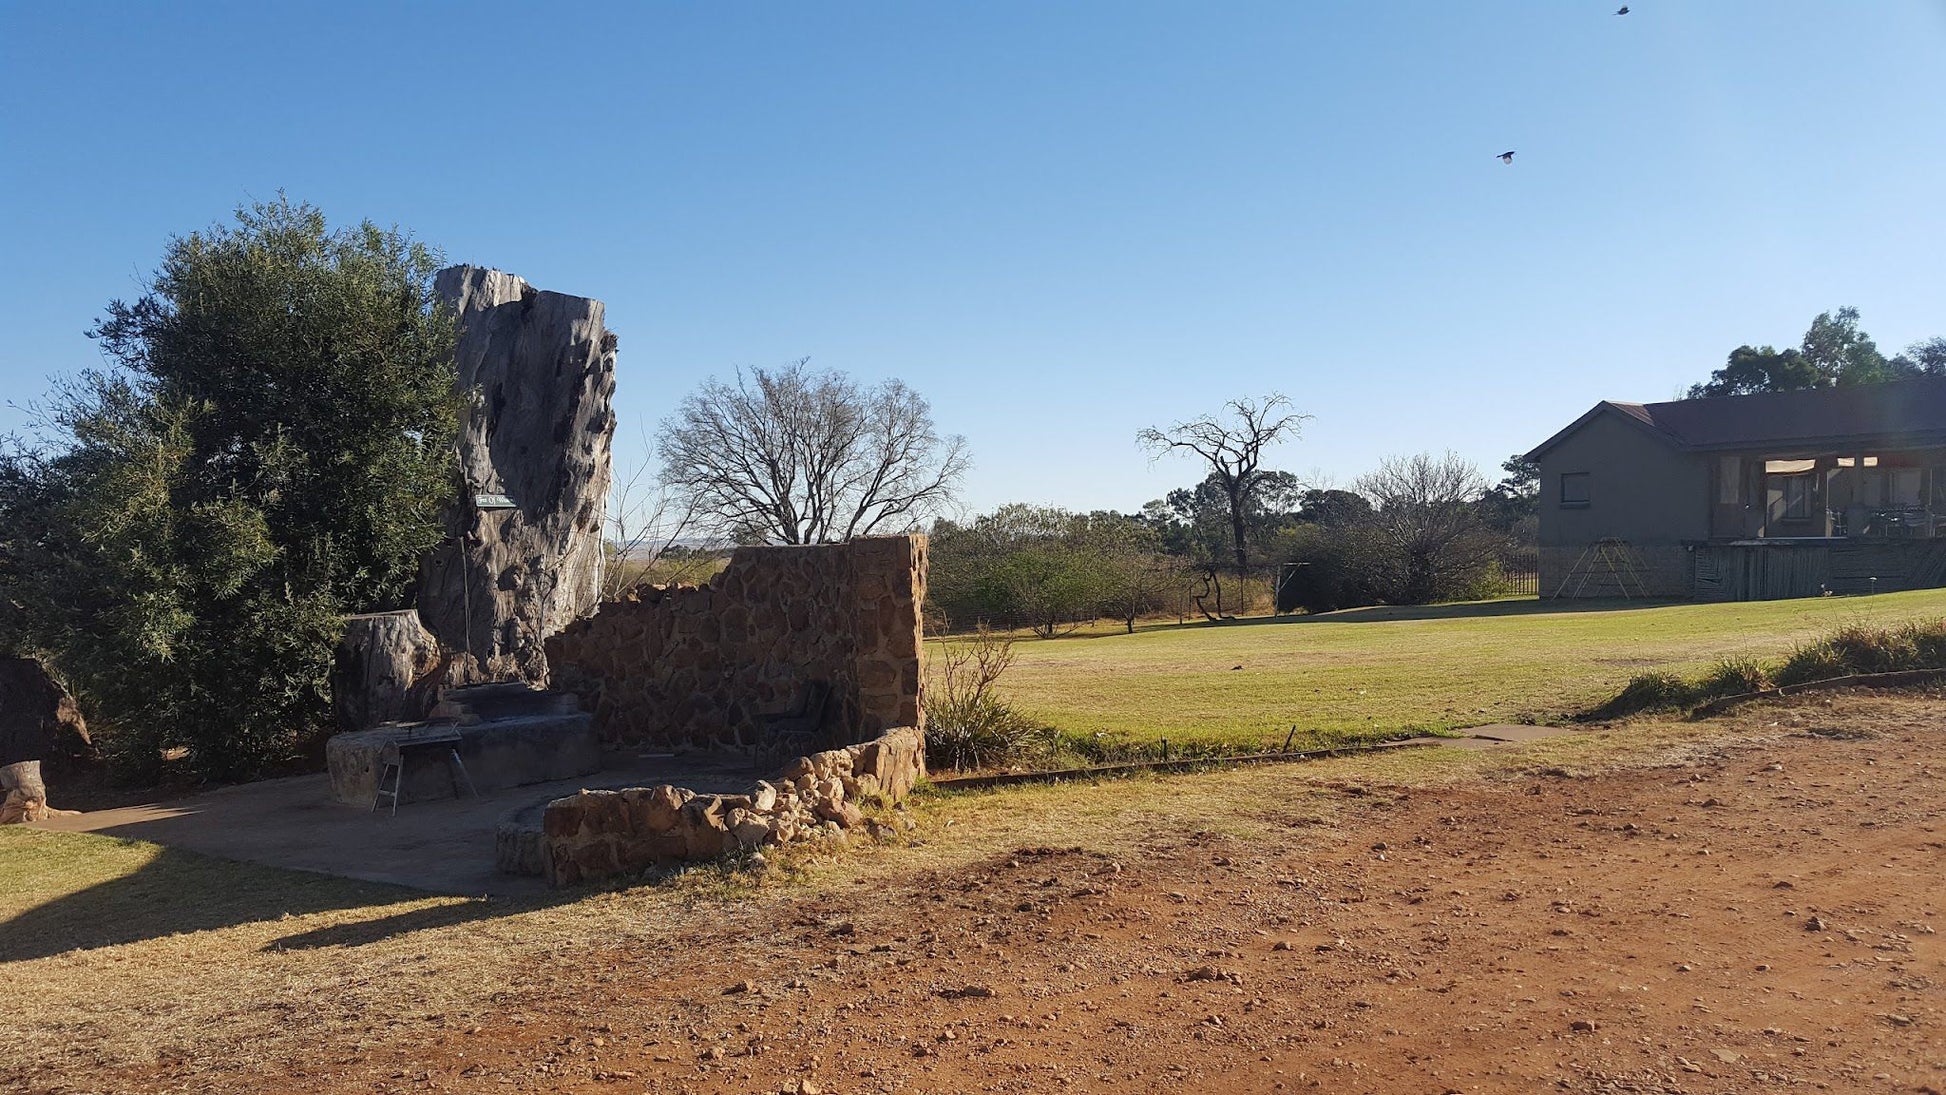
(697, 667)
(595, 834)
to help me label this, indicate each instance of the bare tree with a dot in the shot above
(802, 457)
(645, 520)
(1428, 525)
(1232, 444)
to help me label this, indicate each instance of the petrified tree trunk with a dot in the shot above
(38, 722)
(524, 552)
(380, 660)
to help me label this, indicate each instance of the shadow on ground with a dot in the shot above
(177, 892)
(1465, 610)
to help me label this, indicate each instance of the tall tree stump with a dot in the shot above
(523, 555)
(380, 659)
(38, 722)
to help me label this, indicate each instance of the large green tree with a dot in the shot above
(269, 449)
(1834, 353)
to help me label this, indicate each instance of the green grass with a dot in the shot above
(1382, 672)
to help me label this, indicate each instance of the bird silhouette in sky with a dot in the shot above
(1623, 10)
(1506, 157)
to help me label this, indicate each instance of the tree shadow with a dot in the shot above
(179, 892)
(359, 933)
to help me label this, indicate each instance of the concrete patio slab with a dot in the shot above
(444, 846)
(1515, 732)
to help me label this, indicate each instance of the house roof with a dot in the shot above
(1903, 414)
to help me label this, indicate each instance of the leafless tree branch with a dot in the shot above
(801, 457)
(1232, 444)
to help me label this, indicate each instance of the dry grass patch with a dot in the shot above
(123, 955)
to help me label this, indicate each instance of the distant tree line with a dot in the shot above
(1417, 529)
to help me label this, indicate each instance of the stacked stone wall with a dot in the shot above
(699, 667)
(595, 834)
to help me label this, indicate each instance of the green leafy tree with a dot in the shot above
(269, 450)
(1508, 503)
(1047, 569)
(1333, 508)
(1926, 358)
(1835, 353)
(1133, 576)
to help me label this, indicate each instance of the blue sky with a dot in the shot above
(1060, 222)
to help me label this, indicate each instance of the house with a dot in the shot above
(1785, 494)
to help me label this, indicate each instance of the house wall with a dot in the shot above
(696, 667)
(1641, 490)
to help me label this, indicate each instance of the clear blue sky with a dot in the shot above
(1060, 222)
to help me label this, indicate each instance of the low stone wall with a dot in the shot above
(699, 667)
(595, 834)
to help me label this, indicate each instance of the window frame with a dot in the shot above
(1585, 480)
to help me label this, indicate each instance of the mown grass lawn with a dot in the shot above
(1380, 672)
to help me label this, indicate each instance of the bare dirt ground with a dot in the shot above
(1749, 906)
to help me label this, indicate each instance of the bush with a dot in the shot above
(1334, 570)
(967, 725)
(1734, 677)
(1928, 643)
(1648, 692)
(269, 450)
(1861, 648)
(1848, 651)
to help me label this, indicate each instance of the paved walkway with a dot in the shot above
(1505, 733)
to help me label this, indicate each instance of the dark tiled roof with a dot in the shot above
(1903, 414)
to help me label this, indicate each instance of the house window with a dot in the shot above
(1729, 480)
(1574, 489)
(1796, 491)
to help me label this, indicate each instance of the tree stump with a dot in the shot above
(381, 658)
(38, 721)
(23, 797)
(524, 554)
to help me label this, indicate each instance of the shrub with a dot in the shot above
(1816, 661)
(1928, 639)
(1852, 649)
(1734, 677)
(967, 724)
(269, 449)
(1334, 569)
(1648, 692)
(1864, 649)
(1860, 648)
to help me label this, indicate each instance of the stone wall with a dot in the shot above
(595, 834)
(699, 667)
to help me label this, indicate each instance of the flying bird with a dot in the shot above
(1506, 157)
(1623, 10)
